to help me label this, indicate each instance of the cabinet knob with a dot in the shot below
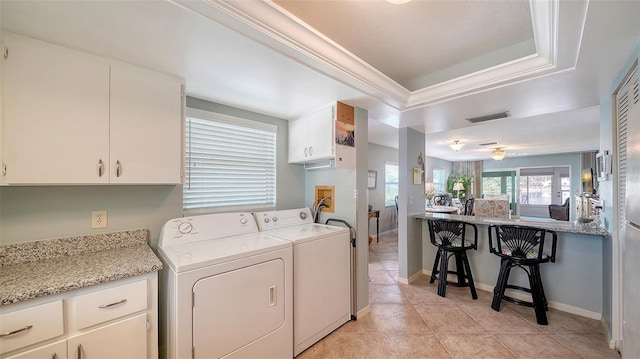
(100, 168)
(118, 168)
(79, 351)
(310, 151)
(306, 152)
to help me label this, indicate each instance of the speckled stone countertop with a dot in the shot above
(558, 226)
(35, 269)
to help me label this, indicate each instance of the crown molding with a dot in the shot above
(557, 49)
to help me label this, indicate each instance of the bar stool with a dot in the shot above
(449, 237)
(523, 247)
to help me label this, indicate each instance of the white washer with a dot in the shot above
(321, 273)
(226, 289)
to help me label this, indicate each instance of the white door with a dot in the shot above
(126, 339)
(146, 126)
(237, 308)
(298, 140)
(55, 122)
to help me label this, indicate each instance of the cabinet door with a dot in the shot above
(298, 140)
(146, 126)
(123, 340)
(57, 350)
(55, 119)
(321, 133)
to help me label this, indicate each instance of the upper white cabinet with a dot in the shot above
(145, 126)
(327, 134)
(312, 137)
(74, 118)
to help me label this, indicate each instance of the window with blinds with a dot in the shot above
(230, 164)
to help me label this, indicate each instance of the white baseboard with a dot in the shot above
(364, 311)
(411, 279)
(527, 297)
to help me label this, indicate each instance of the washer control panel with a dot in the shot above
(208, 226)
(285, 218)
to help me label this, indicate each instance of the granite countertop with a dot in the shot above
(558, 226)
(35, 269)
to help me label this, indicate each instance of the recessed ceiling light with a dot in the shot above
(398, 2)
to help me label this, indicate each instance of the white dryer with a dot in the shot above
(321, 273)
(226, 289)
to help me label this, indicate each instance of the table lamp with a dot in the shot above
(458, 187)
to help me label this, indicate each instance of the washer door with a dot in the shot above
(236, 308)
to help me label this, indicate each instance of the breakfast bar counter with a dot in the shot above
(572, 284)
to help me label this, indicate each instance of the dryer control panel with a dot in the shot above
(207, 226)
(285, 218)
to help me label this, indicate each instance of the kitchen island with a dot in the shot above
(572, 284)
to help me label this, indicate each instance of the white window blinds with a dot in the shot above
(230, 164)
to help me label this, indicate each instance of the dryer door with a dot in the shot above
(236, 308)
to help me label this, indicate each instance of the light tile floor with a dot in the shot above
(412, 321)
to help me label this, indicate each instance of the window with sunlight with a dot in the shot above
(390, 183)
(439, 182)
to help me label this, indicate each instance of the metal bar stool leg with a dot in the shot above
(537, 296)
(442, 275)
(468, 275)
(501, 285)
(436, 263)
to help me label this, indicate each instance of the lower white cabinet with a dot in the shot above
(57, 350)
(111, 320)
(124, 339)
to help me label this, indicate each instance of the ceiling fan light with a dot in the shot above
(498, 154)
(456, 145)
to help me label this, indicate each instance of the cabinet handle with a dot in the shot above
(118, 168)
(100, 168)
(305, 152)
(310, 151)
(16, 331)
(79, 351)
(112, 304)
(54, 356)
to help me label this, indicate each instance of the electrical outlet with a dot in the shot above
(99, 219)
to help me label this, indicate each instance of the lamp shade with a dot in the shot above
(429, 187)
(458, 186)
(456, 145)
(498, 154)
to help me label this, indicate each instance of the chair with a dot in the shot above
(449, 237)
(442, 199)
(559, 212)
(468, 207)
(523, 247)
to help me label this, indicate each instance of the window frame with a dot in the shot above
(268, 200)
(391, 201)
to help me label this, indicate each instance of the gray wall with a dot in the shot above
(378, 156)
(41, 212)
(411, 202)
